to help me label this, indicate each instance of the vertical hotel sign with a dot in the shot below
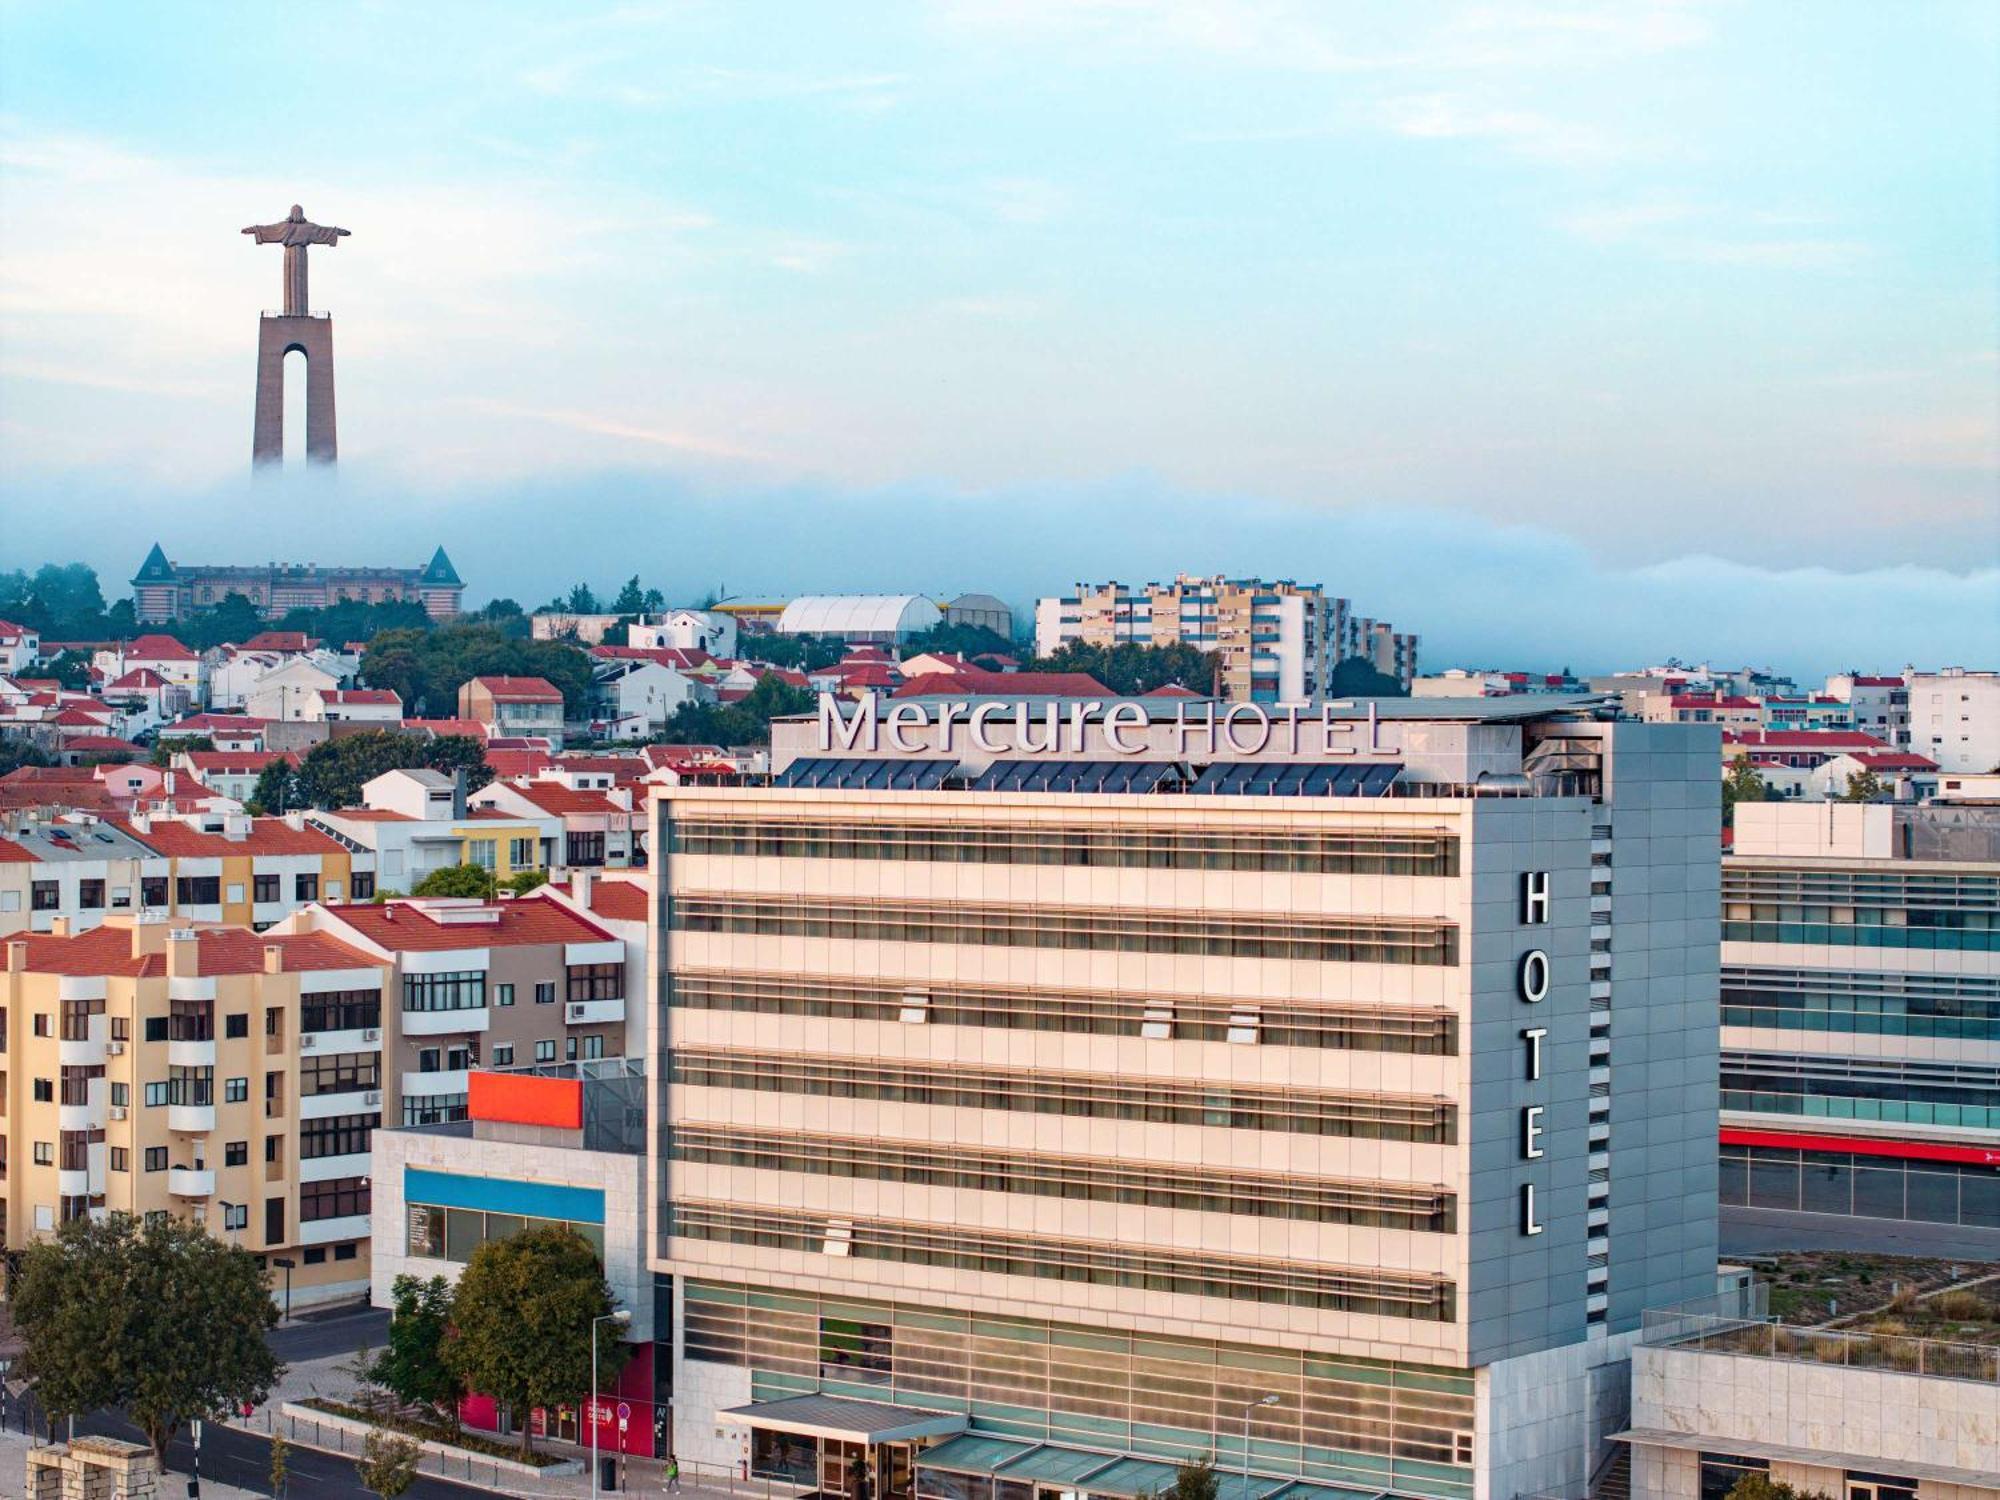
(1532, 985)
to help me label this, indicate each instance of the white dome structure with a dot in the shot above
(880, 618)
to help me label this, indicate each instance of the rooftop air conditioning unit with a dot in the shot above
(118, 1111)
(308, 1040)
(115, 1049)
(373, 1096)
(371, 1035)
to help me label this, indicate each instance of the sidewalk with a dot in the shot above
(14, 1446)
(637, 1476)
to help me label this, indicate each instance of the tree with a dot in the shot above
(582, 601)
(16, 752)
(456, 880)
(1763, 1487)
(745, 722)
(277, 790)
(523, 881)
(1128, 669)
(235, 619)
(71, 670)
(427, 667)
(1742, 784)
(167, 746)
(962, 640)
(522, 1319)
(1864, 786)
(1355, 678)
(280, 1472)
(161, 1319)
(413, 1365)
(388, 1464)
(334, 771)
(1194, 1479)
(631, 599)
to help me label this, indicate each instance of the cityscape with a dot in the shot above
(1134, 1001)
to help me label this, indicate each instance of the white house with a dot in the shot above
(19, 647)
(355, 706)
(1904, 777)
(162, 653)
(643, 693)
(290, 690)
(688, 630)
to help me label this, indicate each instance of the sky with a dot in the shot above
(1561, 335)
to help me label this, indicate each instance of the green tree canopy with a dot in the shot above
(456, 880)
(334, 771)
(388, 1464)
(803, 653)
(167, 746)
(59, 601)
(277, 790)
(745, 722)
(413, 1366)
(522, 1318)
(1742, 784)
(161, 1319)
(235, 619)
(1864, 786)
(1128, 669)
(71, 669)
(427, 667)
(965, 640)
(16, 752)
(1354, 678)
(1764, 1487)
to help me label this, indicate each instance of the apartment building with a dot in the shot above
(1390, 651)
(1861, 1022)
(55, 868)
(1274, 641)
(502, 984)
(248, 872)
(1047, 1094)
(1880, 705)
(1955, 718)
(601, 827)
(514, 706)
(413, 822)
(206, 1072)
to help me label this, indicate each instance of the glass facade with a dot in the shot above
(1877, 1187)
(1375, 1423)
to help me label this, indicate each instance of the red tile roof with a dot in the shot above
(241, 762)
(470, 729)
(361, 695)
(405, 927)
(1832, 741)
(214, 724)
(278, 640)
(1170, 690)
(1887, 682)
(507, 764)
(614, 900)
(556, 799)
(1004, 684)
(158, 648)
(98, 744)
(265, 836)
(139, 677)
(520, 689)
(1700, 700)
(1894, 760)
(12, 853)
(107, 949)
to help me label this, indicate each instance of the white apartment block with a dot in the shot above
(1276, 640)
(1047, 1093)
(1861, 1024)
(1955, 718)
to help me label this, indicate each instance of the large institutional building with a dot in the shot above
(1048, 1092)
(1861, 1012)
(164, 590)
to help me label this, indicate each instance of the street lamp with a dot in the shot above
(1270, 1400)
(622, 1318)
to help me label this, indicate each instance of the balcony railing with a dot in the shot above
(1838, 1348)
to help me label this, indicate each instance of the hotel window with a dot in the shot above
(265, 888)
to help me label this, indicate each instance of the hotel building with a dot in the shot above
(210, 1073)
(1275, 641)
(1047, 1093)
(1861, 1024)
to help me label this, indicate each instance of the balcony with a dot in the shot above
(585, 1012)
(346, 1102)
(443, 1081)
(333, 1168)
(89, 1116)
(445, 1022)
(361, 1039)
(191, 1054)
(326, 1231)
(87, 1051)
(191, 1182)
(73, 1182)
(191, 1119)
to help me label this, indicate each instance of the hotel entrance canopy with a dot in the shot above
(844, 1420)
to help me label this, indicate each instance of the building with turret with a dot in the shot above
(164, 591)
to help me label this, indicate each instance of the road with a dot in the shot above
(244, 1459)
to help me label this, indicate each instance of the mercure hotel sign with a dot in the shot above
(1077, 726)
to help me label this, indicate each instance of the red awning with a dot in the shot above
(1864, 1145)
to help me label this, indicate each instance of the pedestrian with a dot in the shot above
(673, 1475)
